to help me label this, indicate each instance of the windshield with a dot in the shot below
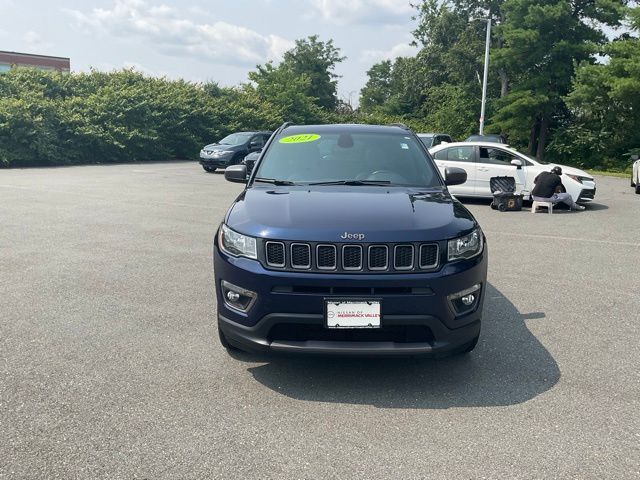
(359, 158)
(235, 139)
(427, 140)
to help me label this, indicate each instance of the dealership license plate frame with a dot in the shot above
(333, 304)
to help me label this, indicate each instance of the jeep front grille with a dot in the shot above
(350, 258)
(275, 254)
(403, 257)
(326, 257)
(300, 255)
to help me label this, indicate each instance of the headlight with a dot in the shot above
(467, 246)
(236, 244)
(221, 153)
(579, 179)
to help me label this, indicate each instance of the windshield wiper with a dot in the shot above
(353, 182)
(273, 181)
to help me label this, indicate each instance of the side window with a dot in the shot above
(495, 156)
(460, 154)
(258, 139)
(442, 154)
(265, 138)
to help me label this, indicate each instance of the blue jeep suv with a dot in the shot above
(347, 241)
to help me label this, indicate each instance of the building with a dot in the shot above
(9, 60)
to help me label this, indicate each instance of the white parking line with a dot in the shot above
(571, 239)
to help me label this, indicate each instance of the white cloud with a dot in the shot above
(173, 34)
(380, 12)
(399, 50)
(34, 42)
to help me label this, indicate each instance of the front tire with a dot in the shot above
(638, 188)
(209, 169)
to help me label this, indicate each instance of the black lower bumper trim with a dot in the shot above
(256, 339)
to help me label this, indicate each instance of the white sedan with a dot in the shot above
(483, 160)
(635, 175)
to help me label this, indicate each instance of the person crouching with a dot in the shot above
(548, 188)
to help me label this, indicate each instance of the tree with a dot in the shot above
(604, 104)
(317, 61)
(377, 90)
(542, 40)
(287, 91)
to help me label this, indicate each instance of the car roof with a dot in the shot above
(343, 127)
(431, 134)
(472, 143)
(251, 133)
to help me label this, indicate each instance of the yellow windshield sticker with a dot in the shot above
(302, 138)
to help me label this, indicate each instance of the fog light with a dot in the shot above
(466, 300)
(237, 298)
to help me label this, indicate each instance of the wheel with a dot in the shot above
(502, 207)
(225, 343)
(632, 182)
(638, 188)
(209, 169)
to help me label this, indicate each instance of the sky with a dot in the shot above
(202, 40)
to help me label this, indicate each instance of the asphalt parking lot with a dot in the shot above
(110, 365)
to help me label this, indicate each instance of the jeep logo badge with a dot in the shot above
(352, 236)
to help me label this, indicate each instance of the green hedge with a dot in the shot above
(59, 119)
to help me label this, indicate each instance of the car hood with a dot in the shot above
(567, 169)
(324, 214)
(215, 147)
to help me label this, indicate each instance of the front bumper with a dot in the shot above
(586, 195)
(216, 161)
(287, 316)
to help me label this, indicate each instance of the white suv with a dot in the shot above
(483, 160)
(635, 174)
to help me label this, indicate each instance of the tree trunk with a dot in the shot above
(542, 137)
(504, 83)
(532, 137)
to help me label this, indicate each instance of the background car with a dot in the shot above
(231, 149)
(490, 137)
(251, 159)
(433, 139)
(635, 174)
(483, 160)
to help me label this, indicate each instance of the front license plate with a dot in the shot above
(353, 313)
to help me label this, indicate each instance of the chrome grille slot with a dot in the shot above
(403, 257)
(378, 257)
(352, 257)
(326, 257)
(275, 254)
(428, 255)
(300, 255)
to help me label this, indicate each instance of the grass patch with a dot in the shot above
(609, 173)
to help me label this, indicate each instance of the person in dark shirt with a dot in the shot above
(548, 188)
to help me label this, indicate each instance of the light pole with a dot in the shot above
(486, 72)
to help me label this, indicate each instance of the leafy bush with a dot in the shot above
(49, 118)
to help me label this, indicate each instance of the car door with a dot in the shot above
(496, 162)
(461, 157)
(256, 143)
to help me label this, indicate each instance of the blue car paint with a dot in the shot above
(323, 214)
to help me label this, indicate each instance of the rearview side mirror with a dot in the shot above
(236, 174)
(517, 163)
(454, 176)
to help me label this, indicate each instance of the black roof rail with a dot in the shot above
(401, 125)
(285, 125)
